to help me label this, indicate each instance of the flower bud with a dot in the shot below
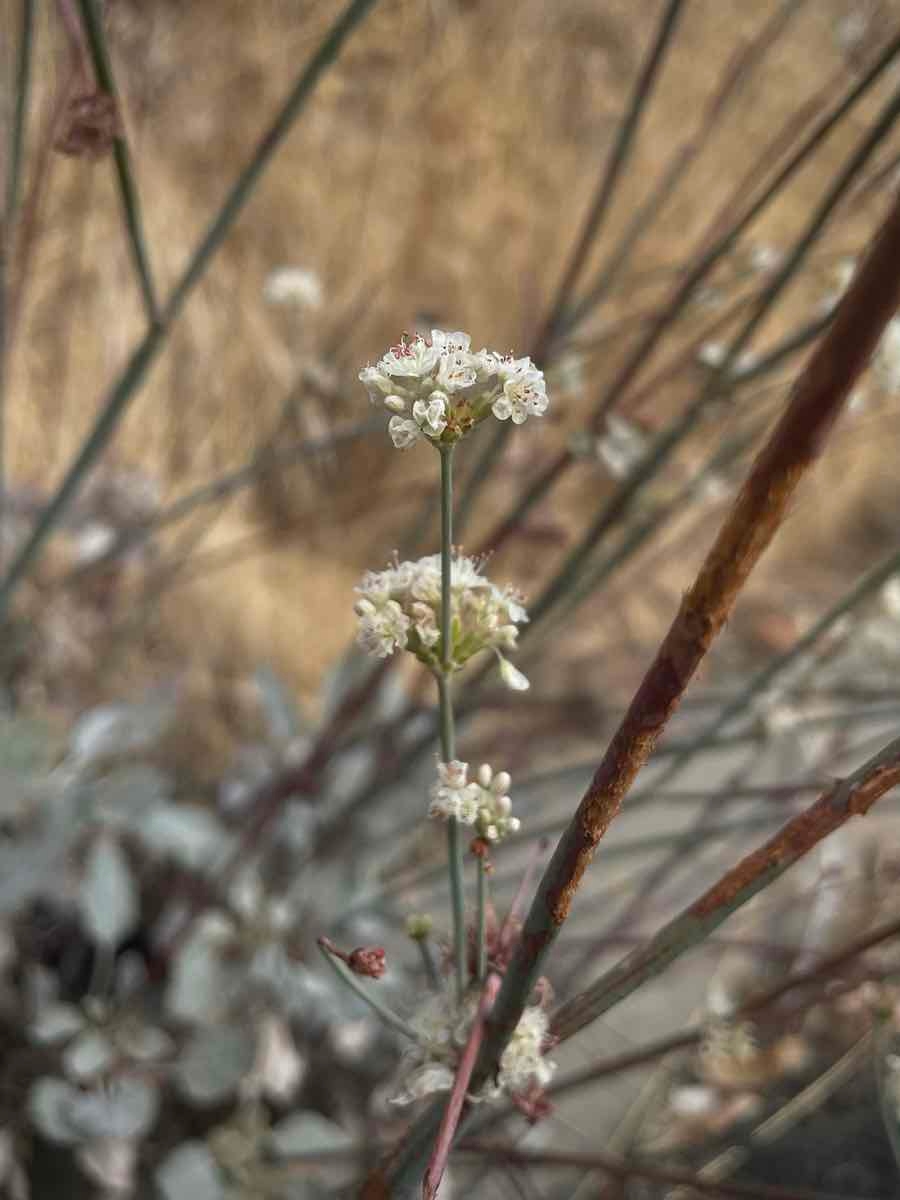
(367, 960)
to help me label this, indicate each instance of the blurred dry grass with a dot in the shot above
(443, 168)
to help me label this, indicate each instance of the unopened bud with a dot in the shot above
(418, 926)
(367, 960)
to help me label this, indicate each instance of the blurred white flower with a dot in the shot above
(890, 598)
(442, 1029)
(712, 354)
(399, 608)
(887, 357)
(278, 1069)
(764, 257)
(294, 285)
(93, 541)
(622, 446)
(439, 388)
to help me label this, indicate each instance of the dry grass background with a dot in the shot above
(443, 168)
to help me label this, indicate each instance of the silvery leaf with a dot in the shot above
(108, 897)
(49, 1102)
(119, 730)
(192, 836)
(125, 794)
(146, 1043)
(296, 825)
(349, 771)
(56, 1023)
(87, 1056)
(307, 1133)
(214, 1062)
(200, 985)
(190, 1173)
(125, 1108)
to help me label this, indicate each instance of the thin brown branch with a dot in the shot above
(502, 1152)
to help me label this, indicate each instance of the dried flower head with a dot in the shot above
(399, 609)
(440, 389)
(442, 1029)
(368, 961)
(89, 127)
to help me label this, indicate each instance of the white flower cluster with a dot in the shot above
(439, 389)
(442, 1030)
(482, 802)
(399, 608)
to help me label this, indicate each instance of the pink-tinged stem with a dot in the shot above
(517, 908)
(437, 1164)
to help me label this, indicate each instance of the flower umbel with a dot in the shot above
(399, 609)
(483, 802)
(440, 389)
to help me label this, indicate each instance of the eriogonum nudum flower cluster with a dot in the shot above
(482, 802)
(439, 388)
(442, 1028)
(400, 609)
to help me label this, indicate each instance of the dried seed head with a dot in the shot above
(90, 126)
(368, 961)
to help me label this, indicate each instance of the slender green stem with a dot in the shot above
(145, 353)
(96, 39)
(621, 150)
(482, 920)
(445, 700)
(428, 963)
(346, 976)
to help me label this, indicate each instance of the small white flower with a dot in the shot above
(382, 628)
(429, 414)
(453, 795)
(404, 433)
(294, 285)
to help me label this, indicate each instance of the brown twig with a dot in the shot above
(620, 1169)
(850, 797)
